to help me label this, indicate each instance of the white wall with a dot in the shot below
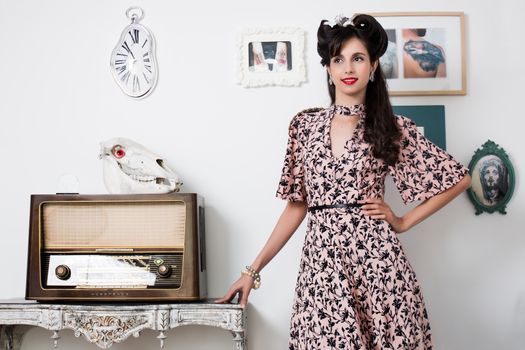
(58, 100)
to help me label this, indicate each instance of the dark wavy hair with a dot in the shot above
(381, 130)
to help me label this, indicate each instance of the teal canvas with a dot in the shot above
(431, 118)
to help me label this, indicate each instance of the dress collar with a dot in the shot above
(358, 110)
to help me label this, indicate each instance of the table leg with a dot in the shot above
(11, 336)
(239, 341)
(6, 337)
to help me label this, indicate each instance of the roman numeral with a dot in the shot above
(148, 67)
(126, 47)
(121, 69)
(145, 78)
(134, 36)
(125, 77)
(146, 60)
(117, 62)
(136, 83)
(145, 54)
(144, 43)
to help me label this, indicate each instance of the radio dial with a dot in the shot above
(164, 271)
(63, 272)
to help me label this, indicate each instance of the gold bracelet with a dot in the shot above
(250, 271)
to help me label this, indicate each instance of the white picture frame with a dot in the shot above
(441, 32)
(271, 57)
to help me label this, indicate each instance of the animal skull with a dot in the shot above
(129, 167)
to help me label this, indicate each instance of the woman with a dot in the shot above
(355, 289)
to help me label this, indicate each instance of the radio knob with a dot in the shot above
(63, 272)
(164, 271)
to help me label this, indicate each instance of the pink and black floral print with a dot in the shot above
(355, 288)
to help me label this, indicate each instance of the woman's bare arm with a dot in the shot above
(291, 217)
(376, 208)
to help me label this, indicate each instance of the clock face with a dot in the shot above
(133, 62)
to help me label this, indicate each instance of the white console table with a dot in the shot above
(105, 324)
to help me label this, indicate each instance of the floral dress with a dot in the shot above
(356, 288)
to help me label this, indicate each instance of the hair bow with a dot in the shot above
(342, 21)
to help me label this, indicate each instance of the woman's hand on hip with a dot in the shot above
(378, 209)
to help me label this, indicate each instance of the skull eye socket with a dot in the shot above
(118, 152)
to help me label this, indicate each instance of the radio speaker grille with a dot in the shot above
(113, 224)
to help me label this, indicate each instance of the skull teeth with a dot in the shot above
(143, 178)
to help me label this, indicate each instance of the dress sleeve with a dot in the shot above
(423, 169)
(291, 185)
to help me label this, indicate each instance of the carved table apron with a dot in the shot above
(105, 324)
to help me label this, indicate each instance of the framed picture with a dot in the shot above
(425, 54)
(430, 121)
(271, 57)
(492, 179)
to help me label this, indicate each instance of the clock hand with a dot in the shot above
(126, 47)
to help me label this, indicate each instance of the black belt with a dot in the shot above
(331, 206)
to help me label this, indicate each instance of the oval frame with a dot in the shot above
(490, 151)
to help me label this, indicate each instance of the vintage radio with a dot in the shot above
(116, 247)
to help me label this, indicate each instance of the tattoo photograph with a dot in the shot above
(389, 60)
(493, 179)
(274, 56)
(422, 56)
(271, 57)
(425, 53)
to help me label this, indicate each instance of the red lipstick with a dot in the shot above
(349, 81)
